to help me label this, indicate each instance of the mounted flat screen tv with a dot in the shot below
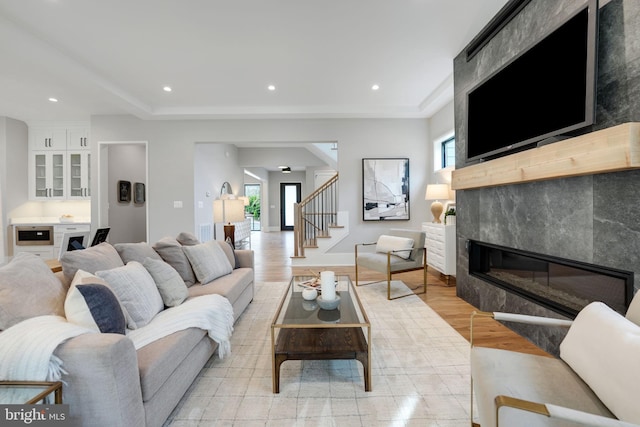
(543, 93)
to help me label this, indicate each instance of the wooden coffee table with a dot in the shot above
(302, 331)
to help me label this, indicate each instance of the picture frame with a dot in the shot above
(139, 193)
(124, 191)
(385, 189)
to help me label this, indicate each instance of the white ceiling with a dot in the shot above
(323, 56)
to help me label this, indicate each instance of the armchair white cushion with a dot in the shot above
(399, 246)
(602, 347)
(411, 257)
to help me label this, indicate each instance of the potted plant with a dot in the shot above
(450, 217)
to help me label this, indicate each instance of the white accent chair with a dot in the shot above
(595, 382)
(398, 251)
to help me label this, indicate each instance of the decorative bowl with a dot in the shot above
(309, 294)
(328, 305)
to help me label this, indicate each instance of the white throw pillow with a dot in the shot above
(136, 290)
(602, 347)
(208, 261)
(394, 243)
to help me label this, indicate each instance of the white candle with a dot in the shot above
(328, 285)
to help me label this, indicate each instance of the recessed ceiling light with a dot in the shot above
(167, 88)
(271, 87)
(53, 99)
(375, 87)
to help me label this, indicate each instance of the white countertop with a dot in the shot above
(44, 220)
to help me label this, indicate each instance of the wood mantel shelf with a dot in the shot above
(608, 150)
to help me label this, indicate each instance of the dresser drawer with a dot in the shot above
(440, 244)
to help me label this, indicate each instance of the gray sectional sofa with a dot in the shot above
(107, 382)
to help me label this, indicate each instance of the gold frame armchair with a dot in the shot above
(528, 392)
(390, 263)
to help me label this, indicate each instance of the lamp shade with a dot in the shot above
(228, 210)
(437, 192)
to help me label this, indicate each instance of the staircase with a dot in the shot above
(317, 226)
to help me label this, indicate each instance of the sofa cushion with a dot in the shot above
(158, 360)
(171, 286)
(28, 288)
(99, 257)
(602, 347)
(230, 286)
(95, 307)
(387, 243)
(136, 252)
(208, 261)
(136, 290)
(171, 251)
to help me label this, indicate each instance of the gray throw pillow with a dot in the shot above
(136, 290)
(187, 239)
(171, 252)
(28, 289)
(171, 286)
(229, 252)
(99, 257)
(208, 261)
(136, 252)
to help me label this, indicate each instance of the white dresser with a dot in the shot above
(440, 242)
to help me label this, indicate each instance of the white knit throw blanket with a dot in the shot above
(212, 313)
(26, 353)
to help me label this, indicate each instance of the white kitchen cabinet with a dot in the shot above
(79, 175)
(47, 175)
(78, 139)
(59, 163)
(44, 252)
(440, 243)
(48, 139)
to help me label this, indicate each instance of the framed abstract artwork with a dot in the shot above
(139, 193)
(124, 191)
(385, 189)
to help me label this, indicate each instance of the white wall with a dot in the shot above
(13, 175)
(172, 145)
(214, 164)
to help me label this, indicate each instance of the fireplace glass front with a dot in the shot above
(562, 285)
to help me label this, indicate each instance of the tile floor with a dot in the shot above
(420, 374)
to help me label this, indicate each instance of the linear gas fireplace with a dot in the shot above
(562, 285)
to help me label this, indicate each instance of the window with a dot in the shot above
(449, 152)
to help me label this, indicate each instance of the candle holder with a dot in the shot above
(328, 305)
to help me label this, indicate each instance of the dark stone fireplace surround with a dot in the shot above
(591, 219)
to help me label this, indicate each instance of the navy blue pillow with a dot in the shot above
(95, 306)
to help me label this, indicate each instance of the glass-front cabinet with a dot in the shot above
(47, 179)
(79, 175)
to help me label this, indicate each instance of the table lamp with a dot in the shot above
(229, 210)
(437, 192)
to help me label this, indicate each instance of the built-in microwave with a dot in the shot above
(30, 235)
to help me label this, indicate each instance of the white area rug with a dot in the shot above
(420, 373)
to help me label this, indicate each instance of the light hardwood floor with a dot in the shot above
(273, 264)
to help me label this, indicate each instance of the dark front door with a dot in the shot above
(290, 193)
